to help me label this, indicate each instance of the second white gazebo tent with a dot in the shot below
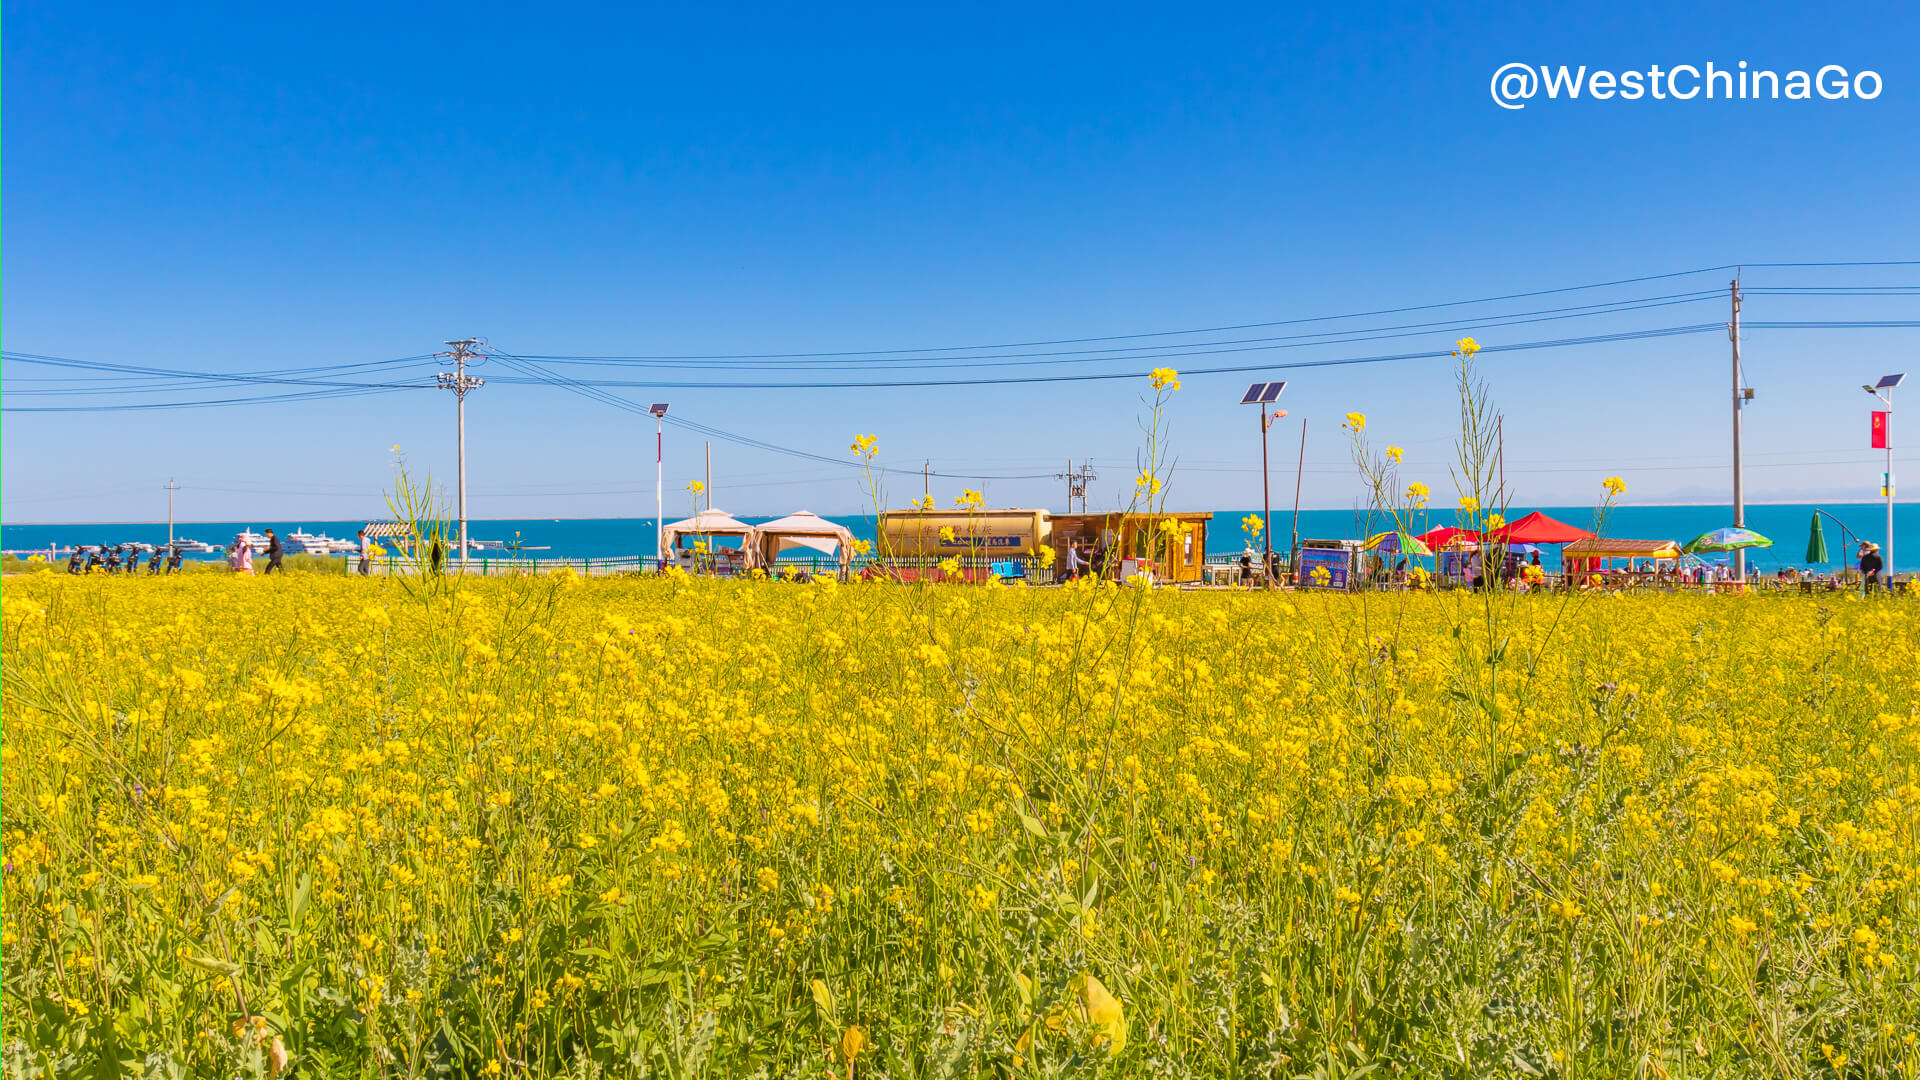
(805, 530)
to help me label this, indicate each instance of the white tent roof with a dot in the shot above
(708, 522)
(808, 530)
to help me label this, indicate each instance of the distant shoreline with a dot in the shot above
(180, 522)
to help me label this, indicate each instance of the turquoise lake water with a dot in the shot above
(597, 538)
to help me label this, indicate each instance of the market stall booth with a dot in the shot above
(1643, 558)
(804, 530)
(1171, 545)
(707, 525)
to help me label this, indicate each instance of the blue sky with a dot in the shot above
(241, 188)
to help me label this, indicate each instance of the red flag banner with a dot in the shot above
(1879, 431)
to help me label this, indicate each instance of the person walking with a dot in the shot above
(274, 552)
(366, 553)
(1076, 564)
(1871, 567)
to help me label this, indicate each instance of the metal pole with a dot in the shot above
(1293, 554)
(1266, 504)
(1500, 430)
(461, 406)
(659, 495)
(1739, 491)
(708, 490)
(1886, 571)
(173, 487)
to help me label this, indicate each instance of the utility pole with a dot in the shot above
(1500, 433)
(461, 383)
(708, 490)
(1300, 470)
(173, 487)
(926, 480)
(1077, 483)
(1739, 483)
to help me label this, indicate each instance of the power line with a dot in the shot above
(1252, 325)
(1174, 333)
(303, 395)
(1186, 348)
(1006, 380)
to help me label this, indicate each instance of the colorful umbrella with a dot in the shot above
(1817, 543)
(1730, 539)
(1397, 543)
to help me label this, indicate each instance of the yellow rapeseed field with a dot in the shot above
(335, 827)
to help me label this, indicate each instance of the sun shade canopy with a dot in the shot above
(1538, 528)
(1617, 548)
(1447, 534)
(803, 529)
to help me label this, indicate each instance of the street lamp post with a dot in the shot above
(1884, 391)
(659, 411)
(1263, 395)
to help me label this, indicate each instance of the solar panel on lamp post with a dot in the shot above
(659, 411)
(1263, 395)
(1886, 384)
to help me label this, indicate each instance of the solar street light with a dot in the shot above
(1884, 432)
(659, 413)
(1264, 394)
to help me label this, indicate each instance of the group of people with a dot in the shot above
(1873, 572)
(1248, 560)
(240, 555)
(1081, 562)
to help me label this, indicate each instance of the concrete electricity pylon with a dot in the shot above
(461, 383)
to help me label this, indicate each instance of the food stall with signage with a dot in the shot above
(1172, 544)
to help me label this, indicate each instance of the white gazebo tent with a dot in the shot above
(803, 529)
(711, 522)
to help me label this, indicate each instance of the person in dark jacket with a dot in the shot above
(275, 551)
(1871, 566)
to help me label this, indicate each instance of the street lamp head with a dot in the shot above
(659, 408)
(1867, 388)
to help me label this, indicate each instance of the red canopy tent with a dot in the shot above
(1538, 528)
(1444, 535)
